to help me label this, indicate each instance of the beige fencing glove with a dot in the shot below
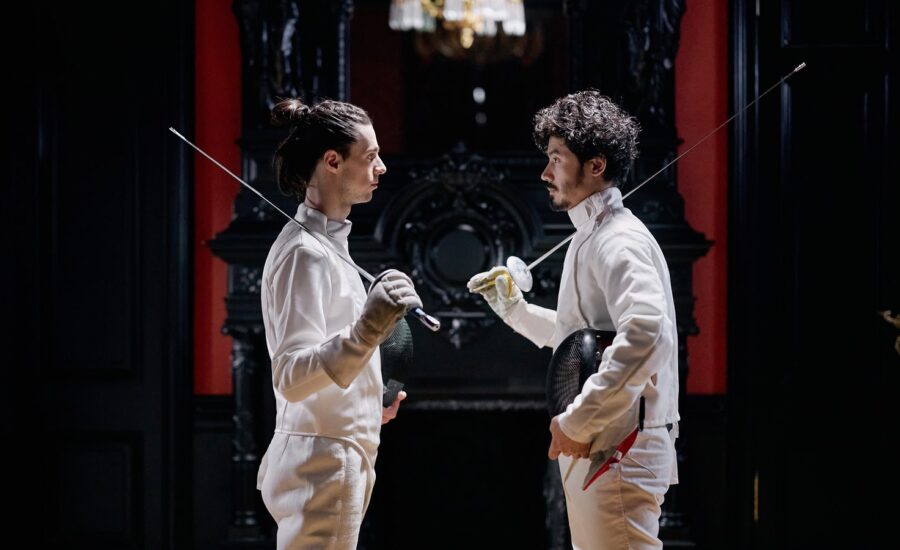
(499, 290)
(503, 295)
(390, 296)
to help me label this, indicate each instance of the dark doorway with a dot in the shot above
(96, 409)
(814, 243)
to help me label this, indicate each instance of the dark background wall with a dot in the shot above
(96, 390)
(813, 252)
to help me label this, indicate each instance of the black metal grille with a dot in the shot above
(396, 360)
(575, 359)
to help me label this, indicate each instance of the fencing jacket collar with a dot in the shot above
(318, 222)
(597, 205)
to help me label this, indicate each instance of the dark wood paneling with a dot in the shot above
(98, 481)
(93, 218)
(211, 489)
(465, 473)
(702, 470)
(814, 260)
(97, 202)
(808, 23)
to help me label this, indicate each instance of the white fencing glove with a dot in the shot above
(390, 296)
(499, 290)
(505, 298)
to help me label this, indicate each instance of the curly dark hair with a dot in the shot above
(314, 130)
(591, 125)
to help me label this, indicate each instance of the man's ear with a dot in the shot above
(597, 166)
(332, 160)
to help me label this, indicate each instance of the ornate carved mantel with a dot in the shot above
(456, 219)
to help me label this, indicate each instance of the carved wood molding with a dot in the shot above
(453, 220)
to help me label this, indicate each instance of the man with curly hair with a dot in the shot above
(614, 278)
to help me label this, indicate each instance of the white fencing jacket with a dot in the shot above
(614, 278)
(310, 296)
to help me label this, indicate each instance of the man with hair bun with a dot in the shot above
(323, 331)
(614, 279)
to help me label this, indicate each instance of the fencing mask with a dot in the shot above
(396, 360)
(575, 359)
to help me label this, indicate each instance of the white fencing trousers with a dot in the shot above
(317, 490)
(621, 509)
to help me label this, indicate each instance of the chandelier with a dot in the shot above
(470, 17)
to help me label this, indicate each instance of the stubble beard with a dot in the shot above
(561, 206)
(564, 205)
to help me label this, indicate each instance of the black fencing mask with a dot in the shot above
(396, 360)
(575, 359)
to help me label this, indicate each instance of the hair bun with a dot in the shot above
(289, 112)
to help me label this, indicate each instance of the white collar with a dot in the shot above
(596, 205)
(318, 222)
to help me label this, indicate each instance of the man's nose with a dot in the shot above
(547, 175)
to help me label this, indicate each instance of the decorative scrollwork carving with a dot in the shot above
(546, 277)
(293, 49)
(462, 328)
(247, 279)
(652, 29)
(263, 212)
(451, 222)
(244, 365)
